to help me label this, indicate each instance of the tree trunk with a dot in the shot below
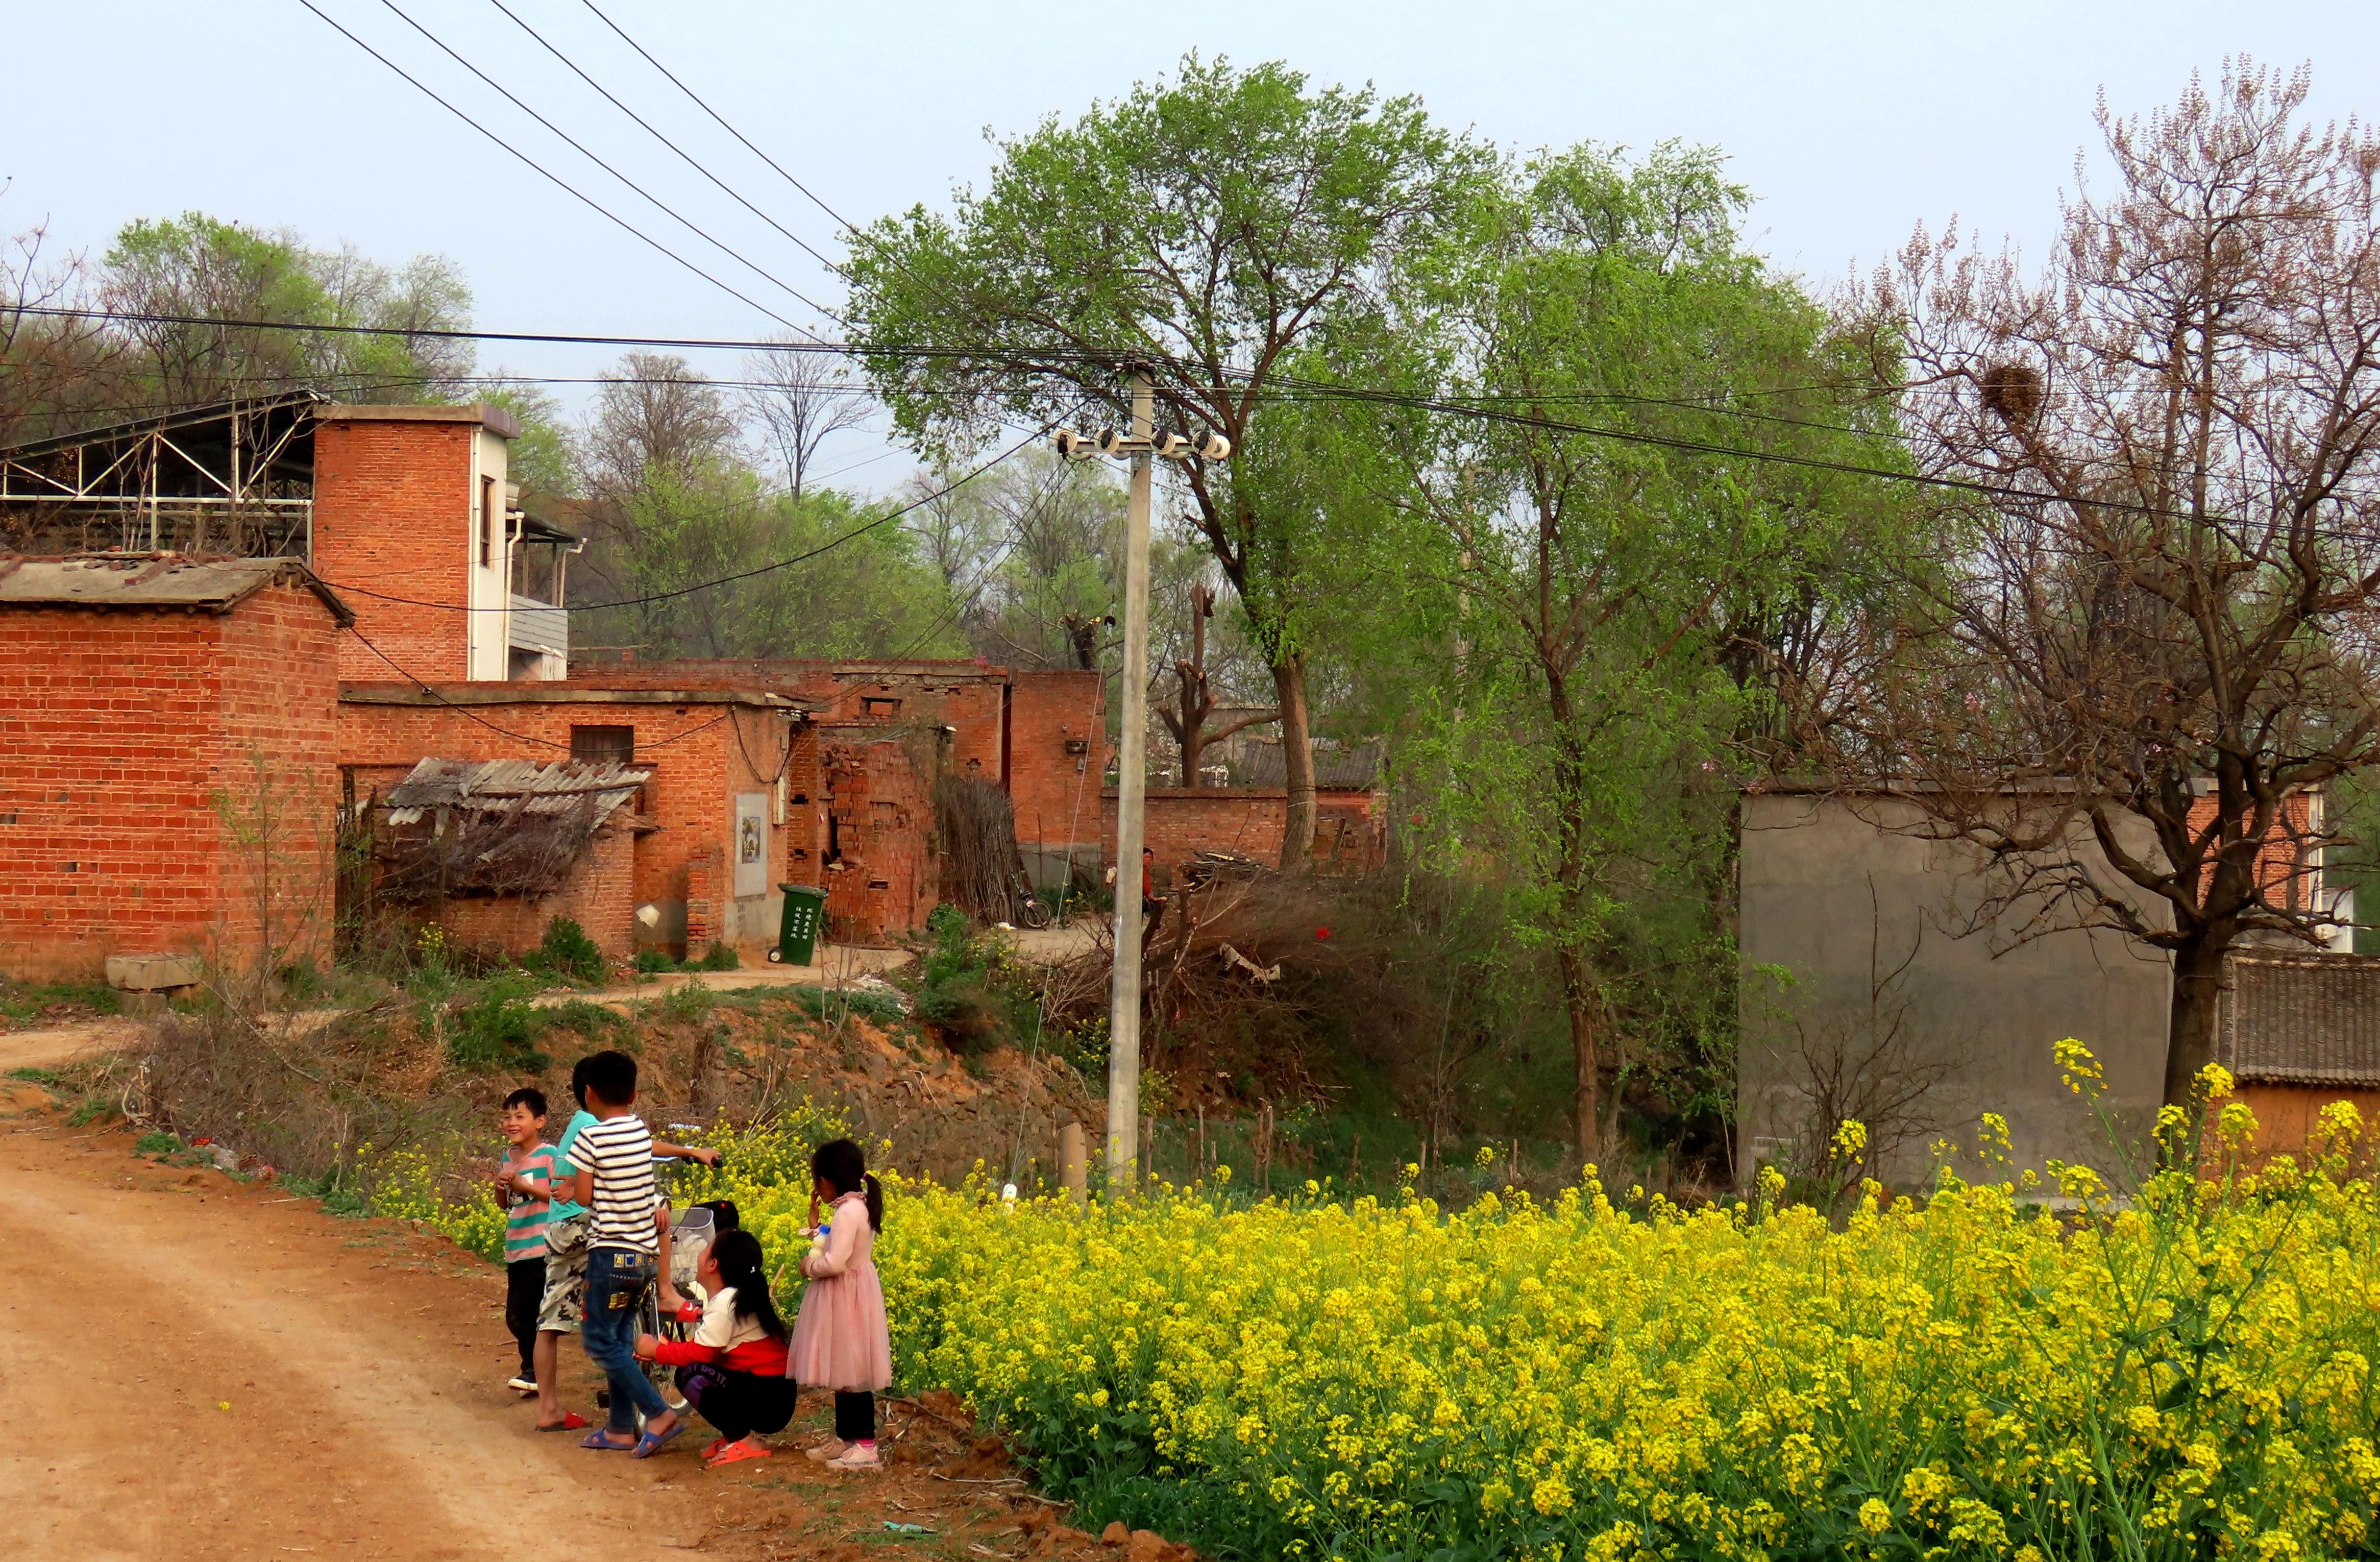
(2189, 1025)
(1578, 997)
(1298, 762)
(1193, 729)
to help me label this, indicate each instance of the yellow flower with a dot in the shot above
(1874, 1515)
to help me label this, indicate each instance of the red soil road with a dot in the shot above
(195, 1368)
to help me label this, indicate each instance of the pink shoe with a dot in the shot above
(859, 1455)
(827, 1451)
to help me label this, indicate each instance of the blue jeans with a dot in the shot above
(615, 1278)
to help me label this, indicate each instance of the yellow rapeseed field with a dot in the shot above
(2183, 1372)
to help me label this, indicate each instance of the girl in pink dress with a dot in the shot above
(840, 1340)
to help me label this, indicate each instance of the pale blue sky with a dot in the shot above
(1851, 121)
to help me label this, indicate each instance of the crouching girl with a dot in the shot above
(732, 1370)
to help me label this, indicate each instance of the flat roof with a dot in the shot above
(496, 419)
(155, 581)
(447, 694)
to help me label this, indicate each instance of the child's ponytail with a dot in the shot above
(842, 1165)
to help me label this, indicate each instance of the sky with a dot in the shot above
(1852, 123)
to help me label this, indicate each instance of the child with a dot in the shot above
(733, 1369)
(562, 1305)
(611, 1162)
(524, 1183)
(840, 1340)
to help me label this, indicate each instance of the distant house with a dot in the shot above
(1874, 985)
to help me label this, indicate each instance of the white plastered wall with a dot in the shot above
(490, 583)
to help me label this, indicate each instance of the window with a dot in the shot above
(875, 705)
(487, 521)
(593, 745)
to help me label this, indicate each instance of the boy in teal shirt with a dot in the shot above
(524, 1184)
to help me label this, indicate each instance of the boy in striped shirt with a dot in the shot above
(525, 1185)
(612, 1168)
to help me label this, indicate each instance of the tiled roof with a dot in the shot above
(154, 581)
(2303, 1018)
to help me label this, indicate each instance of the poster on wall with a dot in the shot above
(751, 844)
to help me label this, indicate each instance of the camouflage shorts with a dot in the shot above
(558, 1311)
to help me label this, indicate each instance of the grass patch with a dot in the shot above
(35, 1076)
(33, 1001)
(592, 1022)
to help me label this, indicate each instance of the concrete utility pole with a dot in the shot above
(1140, 443)
(1132, 788)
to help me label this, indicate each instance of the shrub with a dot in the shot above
(967, 989)
(497, 1028)
(719, 957)
(652, 962)
(591, 1021)
(835, 1005)
(567, 951)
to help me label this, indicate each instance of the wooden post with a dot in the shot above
(1073, 1166)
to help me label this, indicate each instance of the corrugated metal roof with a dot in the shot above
(2308, 1020)
(1335, 770)
(514, 785)
(214, 585)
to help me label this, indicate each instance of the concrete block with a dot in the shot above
(152, 973)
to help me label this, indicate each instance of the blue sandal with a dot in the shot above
(601, 1441)
(649, 1445)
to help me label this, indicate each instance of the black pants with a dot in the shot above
(855, 1416)
(738, 1403)
(524, 1288)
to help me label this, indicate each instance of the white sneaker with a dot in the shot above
(827, 1451)
(521, 1384)
(860, 1455)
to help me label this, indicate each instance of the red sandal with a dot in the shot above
(736, 1453)
(571, 1422)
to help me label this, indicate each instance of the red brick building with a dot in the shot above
(167, 772)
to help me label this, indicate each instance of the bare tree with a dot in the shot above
(2149, 632)
(1873, 1061)
(798, 398)
(1194, 703)
(46, 361)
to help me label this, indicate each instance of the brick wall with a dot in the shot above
(118, 730)
(393, 515)
(1349, 831)
(599, 896)
(885, 878)
(1056, 793)
(699, 766)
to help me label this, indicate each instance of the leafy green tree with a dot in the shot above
(674, 502)
(199, 265)
(1216, 226)
(1575, 528)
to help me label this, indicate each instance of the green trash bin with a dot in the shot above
(797, 933)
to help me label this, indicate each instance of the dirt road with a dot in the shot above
(196, 1368)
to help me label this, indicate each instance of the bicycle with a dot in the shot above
(1030, 910)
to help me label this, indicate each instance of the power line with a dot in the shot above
(467, 333)
(687, 157)
(1285, 383)
(469, 715)
(559, 183)
(659, 204)
(722, 124)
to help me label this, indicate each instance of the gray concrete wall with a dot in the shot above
(1835, 891)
